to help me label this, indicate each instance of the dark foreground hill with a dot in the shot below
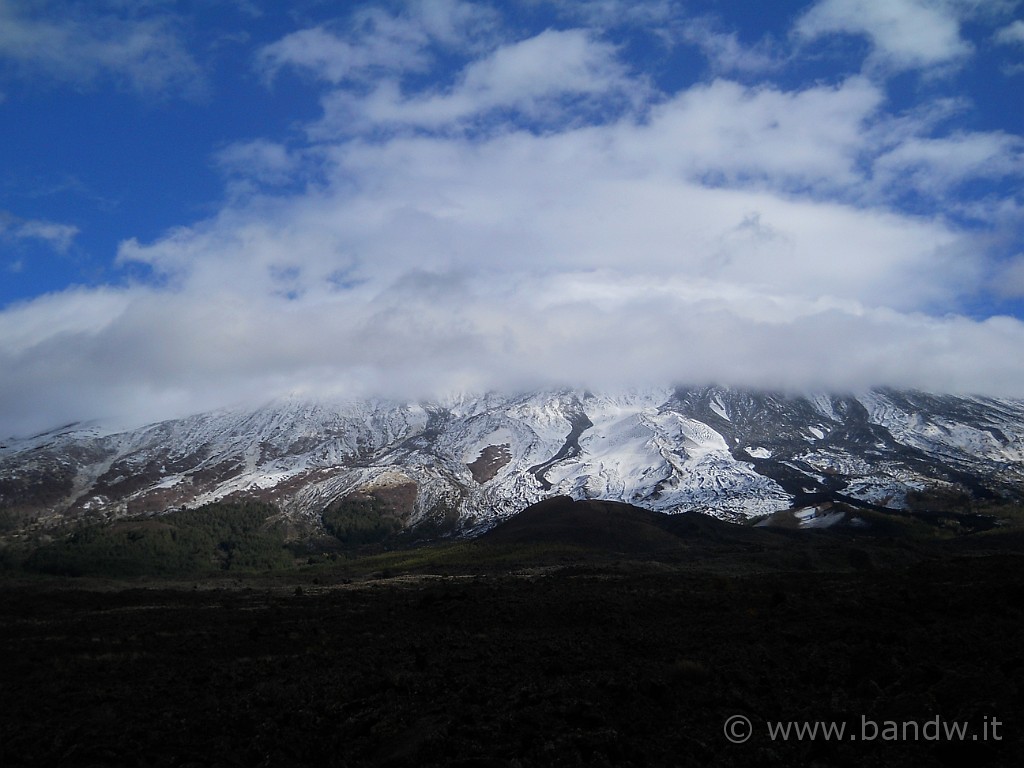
(616, 527)
(607, 533)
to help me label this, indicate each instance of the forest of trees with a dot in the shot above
(355, 520)
(223, 536)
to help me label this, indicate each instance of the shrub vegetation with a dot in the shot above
(223, 536)
(355, 520)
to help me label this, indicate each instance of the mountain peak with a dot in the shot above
(472, 461)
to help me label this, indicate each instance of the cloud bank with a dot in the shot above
(542, 212)
(135, 45)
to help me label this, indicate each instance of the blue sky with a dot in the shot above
(208, 202)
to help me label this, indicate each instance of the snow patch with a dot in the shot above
(826, 520)
(473, 451)
(717, 406)
(818, 517)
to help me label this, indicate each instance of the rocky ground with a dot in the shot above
(605, 663)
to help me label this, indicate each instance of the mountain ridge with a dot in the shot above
(466, 463)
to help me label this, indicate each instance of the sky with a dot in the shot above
(219, 201)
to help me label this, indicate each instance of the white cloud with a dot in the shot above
(731, 133)
(552, 62)
(57, 236)
(612, 13)
(376, 42)
(725, 51)
(1012, 34)
(989, 11)
(263, 161)
(1008, 281)
(904, 34)
(580, 200)
(470, 25)
(335, 59)
(145, 354)
(28, 325)
(74, 45)
(933, 165)
(536, 77)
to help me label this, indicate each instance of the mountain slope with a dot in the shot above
(469, 461)
(616, 527)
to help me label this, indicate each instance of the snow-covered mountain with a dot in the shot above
(473, 460)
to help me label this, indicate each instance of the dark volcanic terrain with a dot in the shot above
(575, 634)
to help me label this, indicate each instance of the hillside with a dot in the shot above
(466, 463)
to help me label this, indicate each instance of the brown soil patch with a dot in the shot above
(489, 462)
